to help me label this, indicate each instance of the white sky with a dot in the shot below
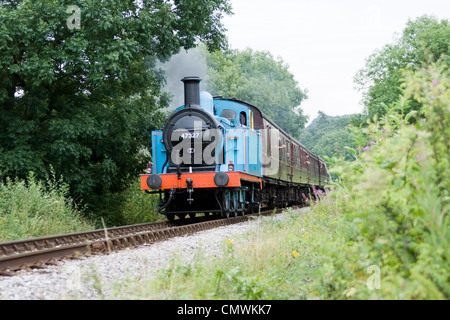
(324, 42)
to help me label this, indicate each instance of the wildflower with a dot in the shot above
(366, 148)
(229, 242)
(295, 253)
(419, 157)
(314, 190)
(372, 143)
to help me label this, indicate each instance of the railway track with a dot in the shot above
(39, 252)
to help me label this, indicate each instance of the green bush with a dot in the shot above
(131, 206)
(394, 200)
(33, 209)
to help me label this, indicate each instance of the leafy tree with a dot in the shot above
(84, 100)
(259, 79)
(425, 38)
(328, 136)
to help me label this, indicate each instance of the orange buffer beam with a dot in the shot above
(200, 180)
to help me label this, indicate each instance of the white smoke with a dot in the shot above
(184, 64)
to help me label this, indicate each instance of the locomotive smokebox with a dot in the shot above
(191, 91)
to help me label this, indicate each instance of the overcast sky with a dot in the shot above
(324, 42)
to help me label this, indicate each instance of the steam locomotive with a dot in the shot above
(225, 157)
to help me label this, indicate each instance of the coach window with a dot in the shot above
(281, 147)
(288, 152)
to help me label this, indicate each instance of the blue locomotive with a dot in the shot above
(224, 156)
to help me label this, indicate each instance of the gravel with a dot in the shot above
(97, 277)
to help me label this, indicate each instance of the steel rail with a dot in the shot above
(26, 245)
(38, 252)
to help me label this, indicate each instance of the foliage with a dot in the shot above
(259, 79)
(424, 39)
(395, 199)
(328, 136)
(37, 209)
(85, 100)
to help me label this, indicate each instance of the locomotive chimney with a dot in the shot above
(191, 91)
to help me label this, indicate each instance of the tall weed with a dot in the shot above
(34, 208)
(396, 198)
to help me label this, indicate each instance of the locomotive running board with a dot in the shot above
(200, 180)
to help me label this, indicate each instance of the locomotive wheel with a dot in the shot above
(170, 216)
(192, 215)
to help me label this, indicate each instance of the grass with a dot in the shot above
(279, 260)
(34, 209)
(31, 208)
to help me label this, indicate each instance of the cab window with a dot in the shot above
(228, 114)
(243, 119)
